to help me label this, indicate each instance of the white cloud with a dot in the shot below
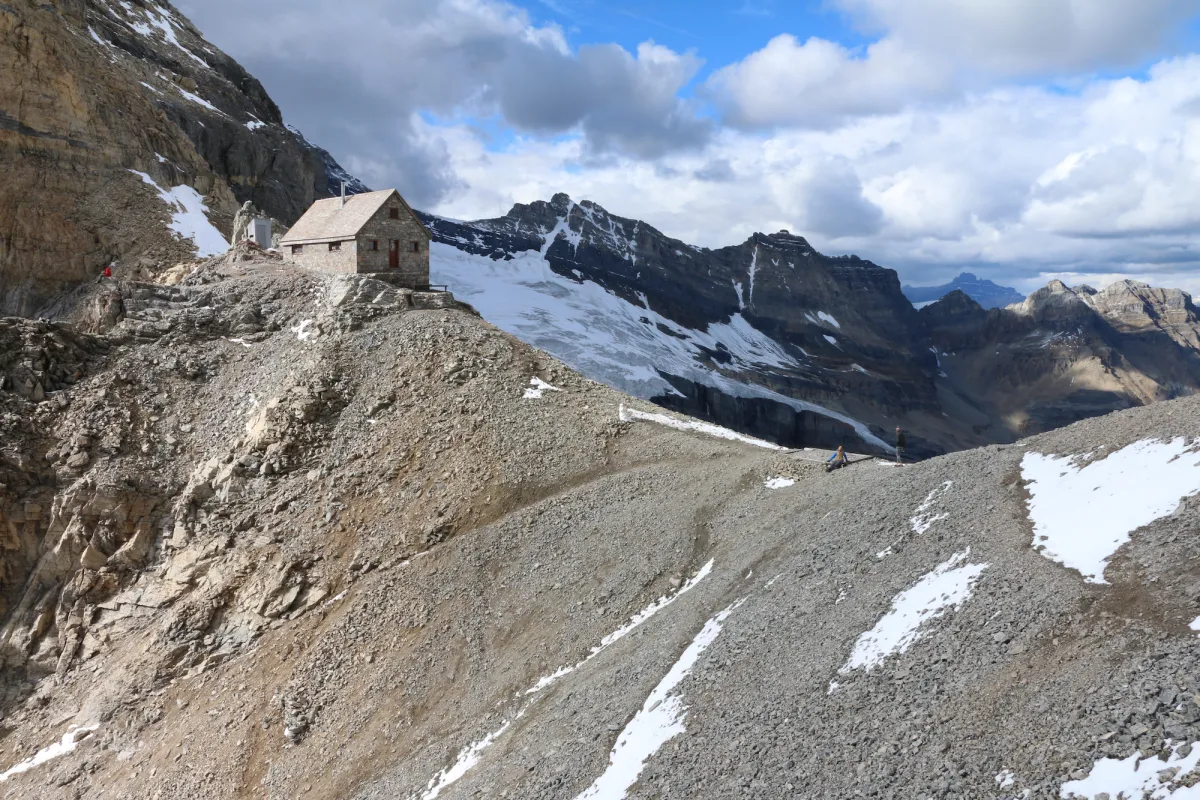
(354, 77)
(929, 50)
(820, 83)
(1026, 37)
(1017, 184)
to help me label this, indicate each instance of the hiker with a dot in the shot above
(836, 460)
(900, 442)
(107, 273)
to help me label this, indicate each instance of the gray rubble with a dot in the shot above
(277, 534)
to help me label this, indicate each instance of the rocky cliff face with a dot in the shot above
(94, 89)
(769, 336)
(1135, 307)
(1063, 355)
(775, 339)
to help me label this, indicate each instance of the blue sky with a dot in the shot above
(1022, 140)
(721, 32)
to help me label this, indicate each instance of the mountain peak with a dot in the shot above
(981, 290)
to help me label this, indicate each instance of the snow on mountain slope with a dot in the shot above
(607, 338)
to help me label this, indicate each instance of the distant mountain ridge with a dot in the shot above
(981, 290)
(774, 339)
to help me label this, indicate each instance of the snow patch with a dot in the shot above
(629, 414)
(188, 219)
(829, 318)
(1124, 491)
(753, 270)
(946, 587)
(536, 387)
(468, 757)
(159, 20)
(255, 124)
(922, 520)
(779, 483)
(1137, 777)
(65, 745)
(636, 621)
(660, 719)
(832, 341)
(302, 330)
(198, 100)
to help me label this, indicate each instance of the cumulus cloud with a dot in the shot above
(821, 83)
(1019, 185)
(831, 202)
(355, 79)
(930, 50)
(1026, 37)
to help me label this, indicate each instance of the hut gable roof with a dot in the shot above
(329, 220)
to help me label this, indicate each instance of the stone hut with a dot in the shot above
(376, 233)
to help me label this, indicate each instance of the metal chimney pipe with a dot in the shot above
(343, 203)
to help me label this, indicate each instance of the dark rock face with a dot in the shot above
(981, 290)
(846, 337)
(223, 110)
(94, 89)
(1061, 356)
(845, 344)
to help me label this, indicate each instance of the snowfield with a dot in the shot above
(607, 338)
(1083, 514)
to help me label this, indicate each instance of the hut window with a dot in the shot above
(374, 244)
(394, 213)
(335, 246)
(297, 249)
(416, 247)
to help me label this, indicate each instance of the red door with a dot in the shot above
(394, 253)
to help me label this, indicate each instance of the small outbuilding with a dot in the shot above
(373, 233)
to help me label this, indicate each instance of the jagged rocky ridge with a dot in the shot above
(96, 88)
(775, 339)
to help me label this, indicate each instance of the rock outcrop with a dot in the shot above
(95, 89)
(1060, 355)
